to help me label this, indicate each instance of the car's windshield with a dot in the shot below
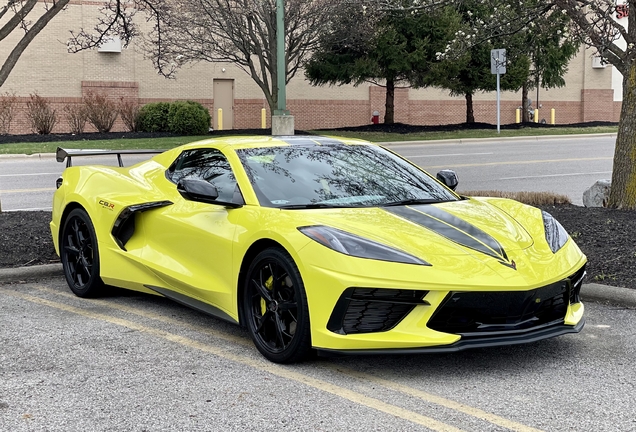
(336, 175)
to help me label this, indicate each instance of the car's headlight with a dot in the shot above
(555, 234)
(350, 244)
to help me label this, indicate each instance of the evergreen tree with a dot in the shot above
(387, 48)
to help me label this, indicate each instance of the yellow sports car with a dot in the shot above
(319, 244)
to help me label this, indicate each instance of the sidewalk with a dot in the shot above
(590, 292)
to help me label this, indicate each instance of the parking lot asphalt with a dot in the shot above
(590, 292)
(138, 362)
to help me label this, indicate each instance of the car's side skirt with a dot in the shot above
(193, 303)
(463, 344)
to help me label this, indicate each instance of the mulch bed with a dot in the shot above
(385, 128)
(604, 235)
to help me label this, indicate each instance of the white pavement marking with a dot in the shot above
(9, 191)
(556, 175)
(449, 154)
(29, 174)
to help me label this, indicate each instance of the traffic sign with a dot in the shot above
(498, 61)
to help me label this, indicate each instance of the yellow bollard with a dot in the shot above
(263, 118)
(518, 115)
(219, 119)
(536, 116)
(552, 116)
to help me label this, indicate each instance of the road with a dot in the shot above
(566, 166)
(28, 183)
(562, 165)
(132, 362)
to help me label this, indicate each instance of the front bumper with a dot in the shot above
(412, 322)
(531, 335)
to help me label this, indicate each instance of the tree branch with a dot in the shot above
(17, 51)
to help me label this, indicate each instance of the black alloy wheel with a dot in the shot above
(275, 307)
(79, 254)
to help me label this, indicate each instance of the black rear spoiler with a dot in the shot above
(68, 154)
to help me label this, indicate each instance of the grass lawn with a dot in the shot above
(170, 142)
(111, 144)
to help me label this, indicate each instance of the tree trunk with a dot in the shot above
(389, 105)
(623, 190)
(470, 114)
(524, 103)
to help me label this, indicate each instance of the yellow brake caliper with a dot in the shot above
(268, 284)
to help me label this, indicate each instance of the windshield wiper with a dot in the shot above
(413, 201)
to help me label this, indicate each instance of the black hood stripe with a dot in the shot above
(452, 228)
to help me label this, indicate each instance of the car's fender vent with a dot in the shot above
(368, 310)
(490, 313)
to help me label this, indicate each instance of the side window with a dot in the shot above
(209, 165)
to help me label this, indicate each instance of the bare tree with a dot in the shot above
(242, 32)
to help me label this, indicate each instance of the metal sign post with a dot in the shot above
(498, 67)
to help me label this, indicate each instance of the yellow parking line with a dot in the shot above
(8, 191)
(520, 162)
(447, 403)
(272, 368)
(157, 317)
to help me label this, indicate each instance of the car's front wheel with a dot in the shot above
(275, 307)
(79, 254)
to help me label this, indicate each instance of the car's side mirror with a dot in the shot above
(449, 178)
(201, 191)
(197, 190)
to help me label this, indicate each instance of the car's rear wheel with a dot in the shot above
(79, 254)
(275, 307)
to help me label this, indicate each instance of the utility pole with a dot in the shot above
(282, 121)
(498, 67)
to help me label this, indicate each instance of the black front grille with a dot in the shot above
(482, 313)
(367, 310)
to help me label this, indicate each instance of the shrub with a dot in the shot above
(7, 112)
(153, 117)
(129, 110)
(188, 118)
(75, 117)
(101, 112)
(42, 117)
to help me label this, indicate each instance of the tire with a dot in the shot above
(275, 307)
(80, 256)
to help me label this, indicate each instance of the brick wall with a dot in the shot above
(247, 113)
(316, 114)
(597, 105)
(618, 105)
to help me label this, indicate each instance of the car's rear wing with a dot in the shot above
(68, 154)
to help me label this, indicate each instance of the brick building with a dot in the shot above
(592, 91)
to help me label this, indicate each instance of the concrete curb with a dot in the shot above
(589, 292)
(609, 294)
(25, 156)
(19, 274)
